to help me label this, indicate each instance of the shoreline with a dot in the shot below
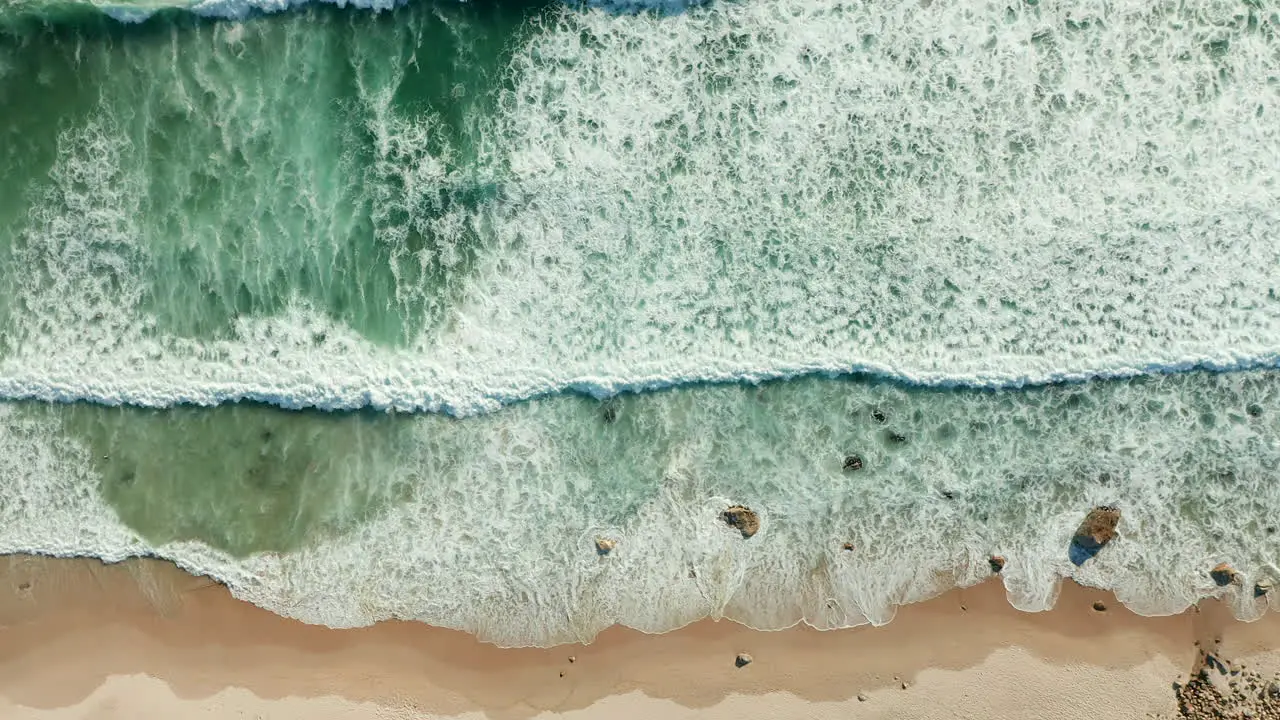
(142, 638)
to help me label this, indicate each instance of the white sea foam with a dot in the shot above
(952, 196)
(496, 535)
(945, 195)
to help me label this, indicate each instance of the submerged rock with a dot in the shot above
(742, 660)
(743, 519)
(997, 563)
(1262, 587)
(1223, 574)
(604, 546)
(852, 462)
(1098, 529)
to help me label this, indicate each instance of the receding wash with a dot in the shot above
(529, 318)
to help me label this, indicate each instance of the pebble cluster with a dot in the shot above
(1221, 690)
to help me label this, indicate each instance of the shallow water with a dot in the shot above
(467, 219)
(489, 523)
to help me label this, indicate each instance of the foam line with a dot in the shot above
(457, 399)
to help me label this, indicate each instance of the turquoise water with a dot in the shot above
(370, 314)
(489, 523)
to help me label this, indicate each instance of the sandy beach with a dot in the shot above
(79, 639)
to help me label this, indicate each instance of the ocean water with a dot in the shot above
(375, 312)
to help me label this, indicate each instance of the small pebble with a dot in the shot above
(572, 658)
(904, 686)
(862, 697)
(1099, 606)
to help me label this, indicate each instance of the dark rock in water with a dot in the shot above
(1254, 410)
(1098, 529)
(742, 660)
(948, 495)
(997, 563)
(848, 547)
(878, 415)
(852, 462)
(1099, 606)
(610, 413)
(895, 437)
(1261, 588)
(604, 546)
(1222, 574)
(743, 519)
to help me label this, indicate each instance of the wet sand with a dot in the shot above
(141, 639)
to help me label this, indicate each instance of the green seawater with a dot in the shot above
(317, 155)
(489, 523)
(496, 209)
(456, 206)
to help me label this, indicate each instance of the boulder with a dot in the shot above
(743, 519)
(997, 563)
(742, 660)
(1098, 529)
(852, 462)
(1262, 587)
(604, 546)
(1223, 574)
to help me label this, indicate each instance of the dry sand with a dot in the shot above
(79, 639)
